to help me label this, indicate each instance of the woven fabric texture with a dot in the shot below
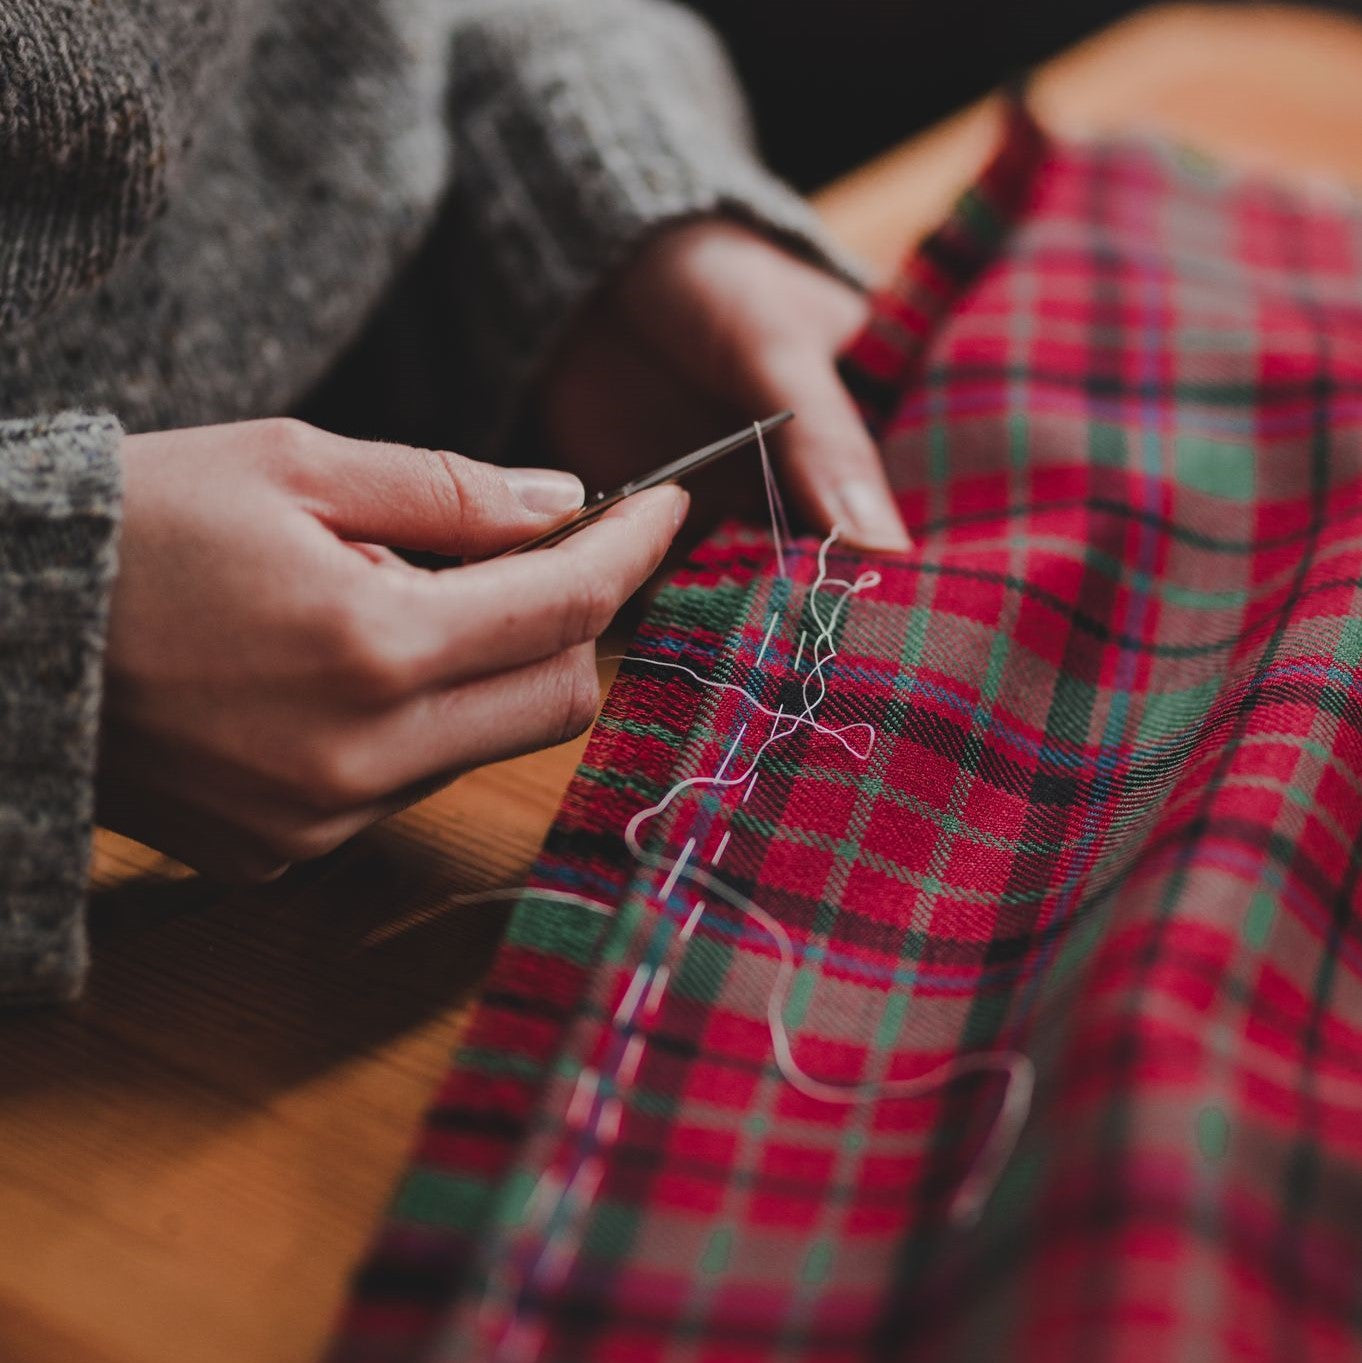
(1108, 820)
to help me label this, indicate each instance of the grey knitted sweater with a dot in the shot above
(200, 203)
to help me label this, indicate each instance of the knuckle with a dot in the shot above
(288, 440)
(335, 777)
(448, 476)
(380, 668)
(252, 862)
(591, 607)
(578, 696)
(366, 654)
(264, 869)
(306, 842)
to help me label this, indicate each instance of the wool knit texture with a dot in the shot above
(203, 202)
(1108, 822)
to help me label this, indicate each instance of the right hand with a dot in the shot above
(275, 680)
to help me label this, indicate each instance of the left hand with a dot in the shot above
(710, 327)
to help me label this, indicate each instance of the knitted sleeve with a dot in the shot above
(99, 106)
(580, 127)
(59, 505)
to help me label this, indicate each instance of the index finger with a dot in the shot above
(489, 617)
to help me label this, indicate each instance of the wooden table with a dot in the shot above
(192, 1159)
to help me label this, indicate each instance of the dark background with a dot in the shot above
(833, 82)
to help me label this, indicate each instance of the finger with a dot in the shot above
(378, 554)
(489, 720)
(374, 764)
(443, 628)
(612, 405)
(249, 824)
(228, 823)
(761, 328)
(256, 842)
(194, 836)
(834, 470)
(422, 499)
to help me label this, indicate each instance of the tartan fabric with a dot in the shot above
(1110, 819)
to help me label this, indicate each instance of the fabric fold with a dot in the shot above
(1106, 827)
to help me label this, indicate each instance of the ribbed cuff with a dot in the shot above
(583, 127)
(59, 511)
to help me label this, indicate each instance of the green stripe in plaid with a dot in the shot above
(1110, 819)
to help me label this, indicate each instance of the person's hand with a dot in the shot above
(275, 680)
(710, 327)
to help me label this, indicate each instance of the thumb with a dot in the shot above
(436, 501)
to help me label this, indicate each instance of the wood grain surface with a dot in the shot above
(193, 1158)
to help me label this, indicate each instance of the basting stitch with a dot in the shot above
(520, 1342)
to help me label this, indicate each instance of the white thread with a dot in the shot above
(629, 1003)
(773, 502)
(542, 1200)
(633, 1053)
(728, 756)
(583, 1095)
(752, 784)
(722, 848)
(828, 627)
(659, 984)
(1017, 1069)
(826, 630)
(591, 1174)
(838, 733)
(692, 782)
(677, 868)
(766, 642)
(515, 893)
(691, 922)
(521, 1343)
(612, 1113)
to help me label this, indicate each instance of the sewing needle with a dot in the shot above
(673, 472)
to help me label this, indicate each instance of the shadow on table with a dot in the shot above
(244, 992)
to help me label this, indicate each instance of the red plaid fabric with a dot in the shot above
(1109, 820)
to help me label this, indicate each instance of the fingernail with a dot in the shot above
(545, 492)
(868, 518)
(680, 507)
